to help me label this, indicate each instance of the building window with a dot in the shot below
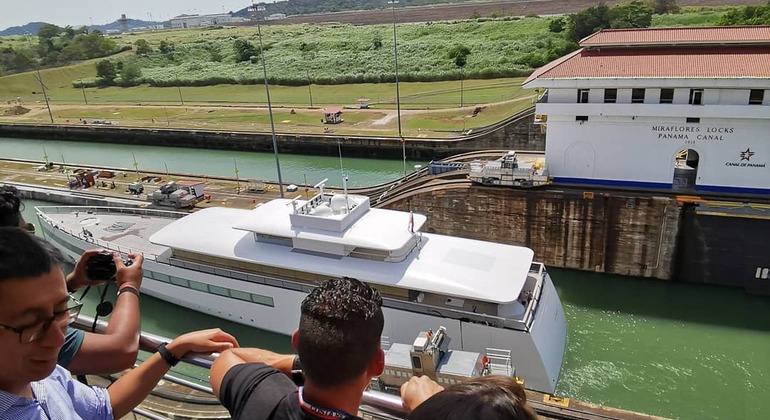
(693, 120)
(637, 96)
(756, 96)
(610, 96)
(696, 96)
(582, 96)
(581, 118)
(667, 96)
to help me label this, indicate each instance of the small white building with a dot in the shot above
(199, 21)
(687, 108)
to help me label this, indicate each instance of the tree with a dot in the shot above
(244, 50)
(142, 47)
(588, 21)
(49, 31)
(635, 14)
(166, 47)
(556, 25)
(105, 70)
(377, 41)
(130, 74)
(662, 7)
(459, 53)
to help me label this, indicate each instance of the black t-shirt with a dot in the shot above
(256, 391)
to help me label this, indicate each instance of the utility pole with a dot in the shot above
(180, 95)
(254, 9)
(398, 95)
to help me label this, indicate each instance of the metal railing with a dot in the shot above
(374, 404)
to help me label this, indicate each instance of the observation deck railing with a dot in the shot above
(374, 405)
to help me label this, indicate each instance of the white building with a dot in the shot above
(641, 107)
(198, 21)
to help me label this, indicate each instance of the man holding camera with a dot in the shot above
(90, 353)
(338, 341)
(35, 310)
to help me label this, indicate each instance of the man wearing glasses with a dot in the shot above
(90, 353)
(35, 310)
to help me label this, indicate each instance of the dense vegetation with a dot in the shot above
(749, 15)
(55, 46)
(338, 54)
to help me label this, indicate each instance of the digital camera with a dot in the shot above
(101, 267)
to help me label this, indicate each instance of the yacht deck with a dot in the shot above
(125, 231)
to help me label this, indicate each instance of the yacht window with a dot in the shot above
(756, 96)
(217, 290)
(637, 96)
(201, 287)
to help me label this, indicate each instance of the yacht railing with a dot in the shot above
(374, 404)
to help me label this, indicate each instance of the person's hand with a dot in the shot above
(77, 278)
(203, 341)
(131, 275)
(418, 389)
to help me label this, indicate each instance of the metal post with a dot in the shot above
(269, 104)
(461, 86)
(82, 88)
(398, 95)
(309, 90)
(180, 95)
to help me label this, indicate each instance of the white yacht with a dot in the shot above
(256, 266)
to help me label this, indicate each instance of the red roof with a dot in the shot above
(332, 110)
(660, 62)
(679, 36)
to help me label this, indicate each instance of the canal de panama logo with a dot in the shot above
(745, 160)
(747, 155)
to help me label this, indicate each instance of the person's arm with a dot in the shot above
(418, 389)
(133, 387)
(237, 356)
(117, 347)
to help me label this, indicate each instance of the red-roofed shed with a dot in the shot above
(332, 115)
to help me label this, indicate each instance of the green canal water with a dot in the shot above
(260, 166)
(669, 349)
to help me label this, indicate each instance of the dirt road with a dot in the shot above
(466, 10)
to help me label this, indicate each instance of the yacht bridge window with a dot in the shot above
(637, 96)
(756, 96)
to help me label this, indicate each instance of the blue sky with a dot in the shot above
(85, 12)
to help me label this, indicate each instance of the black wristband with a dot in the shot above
(166, 355)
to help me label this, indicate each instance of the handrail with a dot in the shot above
(377, 404)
